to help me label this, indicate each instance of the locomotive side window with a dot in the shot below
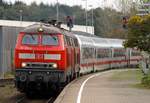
(30, 39)
(49, 40)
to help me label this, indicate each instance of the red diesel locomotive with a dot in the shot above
(45, 56)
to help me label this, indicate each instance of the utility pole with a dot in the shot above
(92, 20)
(57, 10)
(86, 15)
(20, 11)
(21, 17)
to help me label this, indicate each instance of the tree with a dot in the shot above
(107, 21)
(139, 33)
(145, 1)
(126, 5)
(1, 2)
(1, 12)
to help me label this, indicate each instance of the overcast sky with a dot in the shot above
(95, 3)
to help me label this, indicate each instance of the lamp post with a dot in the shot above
(57, 10)
(21, 18)
(92, 19)
(86, 15)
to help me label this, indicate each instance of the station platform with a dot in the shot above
(100, 88)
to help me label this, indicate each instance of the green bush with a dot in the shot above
(146, 80)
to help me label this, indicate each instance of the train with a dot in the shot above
(48, 57)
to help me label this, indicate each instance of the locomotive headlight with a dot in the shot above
(54, 65)
(23, 64)
(40, 29)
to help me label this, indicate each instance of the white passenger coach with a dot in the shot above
(103, 53)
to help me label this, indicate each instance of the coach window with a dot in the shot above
(87, 53)
(135, 53)
(49, 40)
(119, 52)
(116, 53)
(30, 39)
(103, 53)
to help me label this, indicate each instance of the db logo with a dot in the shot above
(39, 56)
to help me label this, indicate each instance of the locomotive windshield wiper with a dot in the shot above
(32, 37)
(54, 38)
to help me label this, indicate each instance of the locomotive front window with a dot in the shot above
(49, 40)
(30, 39)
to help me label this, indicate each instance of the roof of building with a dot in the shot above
(14, 23)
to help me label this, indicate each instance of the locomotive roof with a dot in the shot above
(47, 28)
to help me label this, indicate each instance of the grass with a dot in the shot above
(135, 75)
(140, 86)
(9, 74)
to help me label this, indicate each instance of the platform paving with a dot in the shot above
(101, 89)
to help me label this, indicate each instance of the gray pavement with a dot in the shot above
(100, 89)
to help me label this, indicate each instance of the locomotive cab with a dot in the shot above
(32, 50)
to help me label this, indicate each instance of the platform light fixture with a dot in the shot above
(57, 10)
(86, 15)
(21, 11)
(92, 19)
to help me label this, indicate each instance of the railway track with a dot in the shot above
(21, 99)
(24, 99)
(50, 100)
